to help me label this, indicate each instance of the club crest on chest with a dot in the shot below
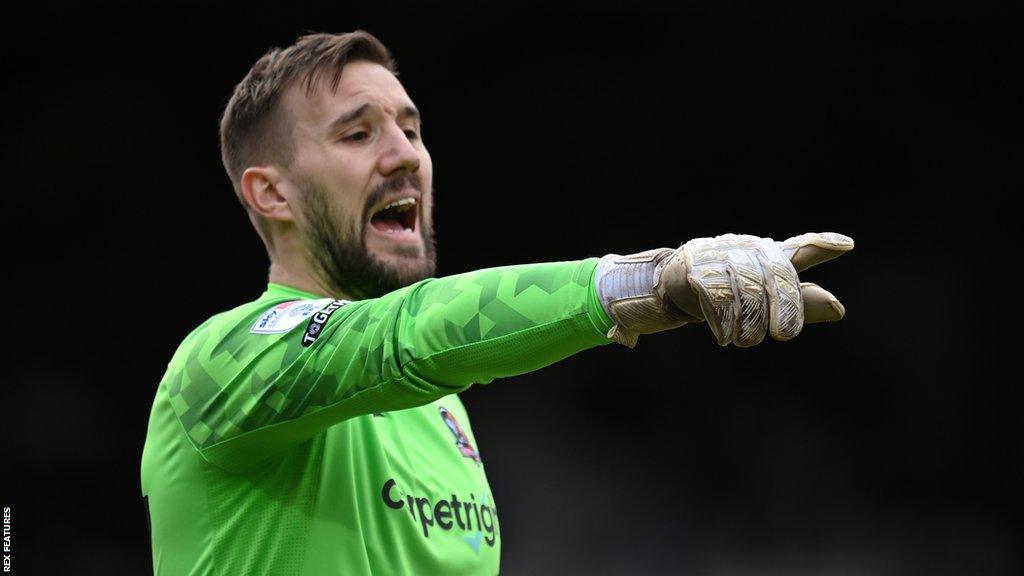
(461, 440)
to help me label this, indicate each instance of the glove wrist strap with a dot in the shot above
(626, 289)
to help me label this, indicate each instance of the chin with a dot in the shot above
(407, 263)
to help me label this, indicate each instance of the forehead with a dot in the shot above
(361, 83)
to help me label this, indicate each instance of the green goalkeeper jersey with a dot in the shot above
(298, 435)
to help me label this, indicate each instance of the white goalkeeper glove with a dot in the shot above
(742, 286)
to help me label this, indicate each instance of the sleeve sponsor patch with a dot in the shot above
(319, 320)
(288, 315)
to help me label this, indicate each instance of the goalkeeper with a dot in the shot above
(317, 429)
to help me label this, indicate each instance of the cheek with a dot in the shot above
(352, 208)
(427, 174)
(348, 197)
(426, 167)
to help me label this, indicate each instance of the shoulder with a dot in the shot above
(231, 355)
(247, 329)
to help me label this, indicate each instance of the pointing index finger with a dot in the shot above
(814, 248)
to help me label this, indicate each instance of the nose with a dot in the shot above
(399, 153)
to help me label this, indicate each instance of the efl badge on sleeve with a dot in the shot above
(287, 315)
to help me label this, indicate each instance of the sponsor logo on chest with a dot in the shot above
(477, 520)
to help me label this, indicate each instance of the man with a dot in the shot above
(317, 430)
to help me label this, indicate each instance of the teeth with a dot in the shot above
(403, 204)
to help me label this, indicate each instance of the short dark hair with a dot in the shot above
(252, 129)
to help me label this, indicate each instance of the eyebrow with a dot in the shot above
(406, 112)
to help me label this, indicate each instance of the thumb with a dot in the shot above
(814, 248)
(819, 304)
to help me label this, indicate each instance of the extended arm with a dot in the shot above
(243, 397)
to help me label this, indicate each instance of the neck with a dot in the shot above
(282, 273)
(290, 267)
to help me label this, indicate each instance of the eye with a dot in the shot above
(356, 137)
(411, 134)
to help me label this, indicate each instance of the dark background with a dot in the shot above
(886, 444)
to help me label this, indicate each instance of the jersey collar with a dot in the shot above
(275, 290)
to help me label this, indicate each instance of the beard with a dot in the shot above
(337, 250)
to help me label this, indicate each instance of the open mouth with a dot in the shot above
(397, 217)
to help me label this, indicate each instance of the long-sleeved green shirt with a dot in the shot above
(297, 435)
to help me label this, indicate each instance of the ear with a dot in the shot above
(262, 188)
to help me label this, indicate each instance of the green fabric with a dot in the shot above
(351, 455)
